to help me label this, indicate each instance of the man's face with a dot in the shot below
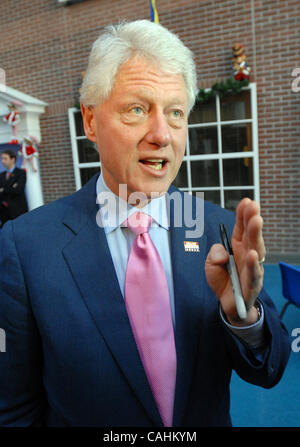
(7, 161)
(141, 129)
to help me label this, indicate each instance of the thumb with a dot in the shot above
(215, 270)
(217, 255)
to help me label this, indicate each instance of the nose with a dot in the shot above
(158, 132)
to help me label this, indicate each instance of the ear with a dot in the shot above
(88, 117)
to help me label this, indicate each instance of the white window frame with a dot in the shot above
(221, 156)
(254, 154)
(74, 142)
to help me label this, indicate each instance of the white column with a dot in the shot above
(33, 190)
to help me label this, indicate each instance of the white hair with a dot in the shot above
(141, 38)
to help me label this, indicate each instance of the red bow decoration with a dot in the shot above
(29, 150)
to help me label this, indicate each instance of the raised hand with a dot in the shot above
(249, 252)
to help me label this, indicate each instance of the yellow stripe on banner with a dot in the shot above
(154, 10)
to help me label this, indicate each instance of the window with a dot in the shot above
(221, 156)
(85, 154)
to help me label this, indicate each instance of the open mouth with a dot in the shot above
(155, 163)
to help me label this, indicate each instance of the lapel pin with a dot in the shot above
(191, 246)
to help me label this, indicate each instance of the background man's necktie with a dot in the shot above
(148, 306)
(7, 175)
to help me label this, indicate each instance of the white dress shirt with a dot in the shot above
(120, 238)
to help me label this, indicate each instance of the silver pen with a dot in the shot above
(233, 274)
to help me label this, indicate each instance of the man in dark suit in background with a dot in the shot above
(12, 185)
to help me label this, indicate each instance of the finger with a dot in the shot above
(255, 236)
(238, 230)
(252, 279)
(251, 209)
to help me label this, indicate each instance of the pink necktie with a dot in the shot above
(7, 175)
(148, 306)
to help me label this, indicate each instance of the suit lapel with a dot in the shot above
(188, 278)
(90, 262)
(12, 178)
(4, 181)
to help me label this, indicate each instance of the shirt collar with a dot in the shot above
(114, 210)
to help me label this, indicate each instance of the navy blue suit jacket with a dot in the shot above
(71, 358)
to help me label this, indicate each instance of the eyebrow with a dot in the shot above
(147, 97)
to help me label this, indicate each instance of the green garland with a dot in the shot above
(230, 85)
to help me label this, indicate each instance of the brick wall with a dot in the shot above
(44, 48)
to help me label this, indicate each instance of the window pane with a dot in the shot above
(205, 173)
(87, 173)
(87, 153)
(203, 140)
(79, 124)
(203, 113)
(236, 107)
(181, 178)
(232, 198)
(211, 196)
(238, 172)
(236, 138)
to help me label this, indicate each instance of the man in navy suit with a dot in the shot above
(71, 357)
(12, 185)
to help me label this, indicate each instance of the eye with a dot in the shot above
(137, 110)
(177, 113)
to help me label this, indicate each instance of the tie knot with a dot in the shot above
(139, 222)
